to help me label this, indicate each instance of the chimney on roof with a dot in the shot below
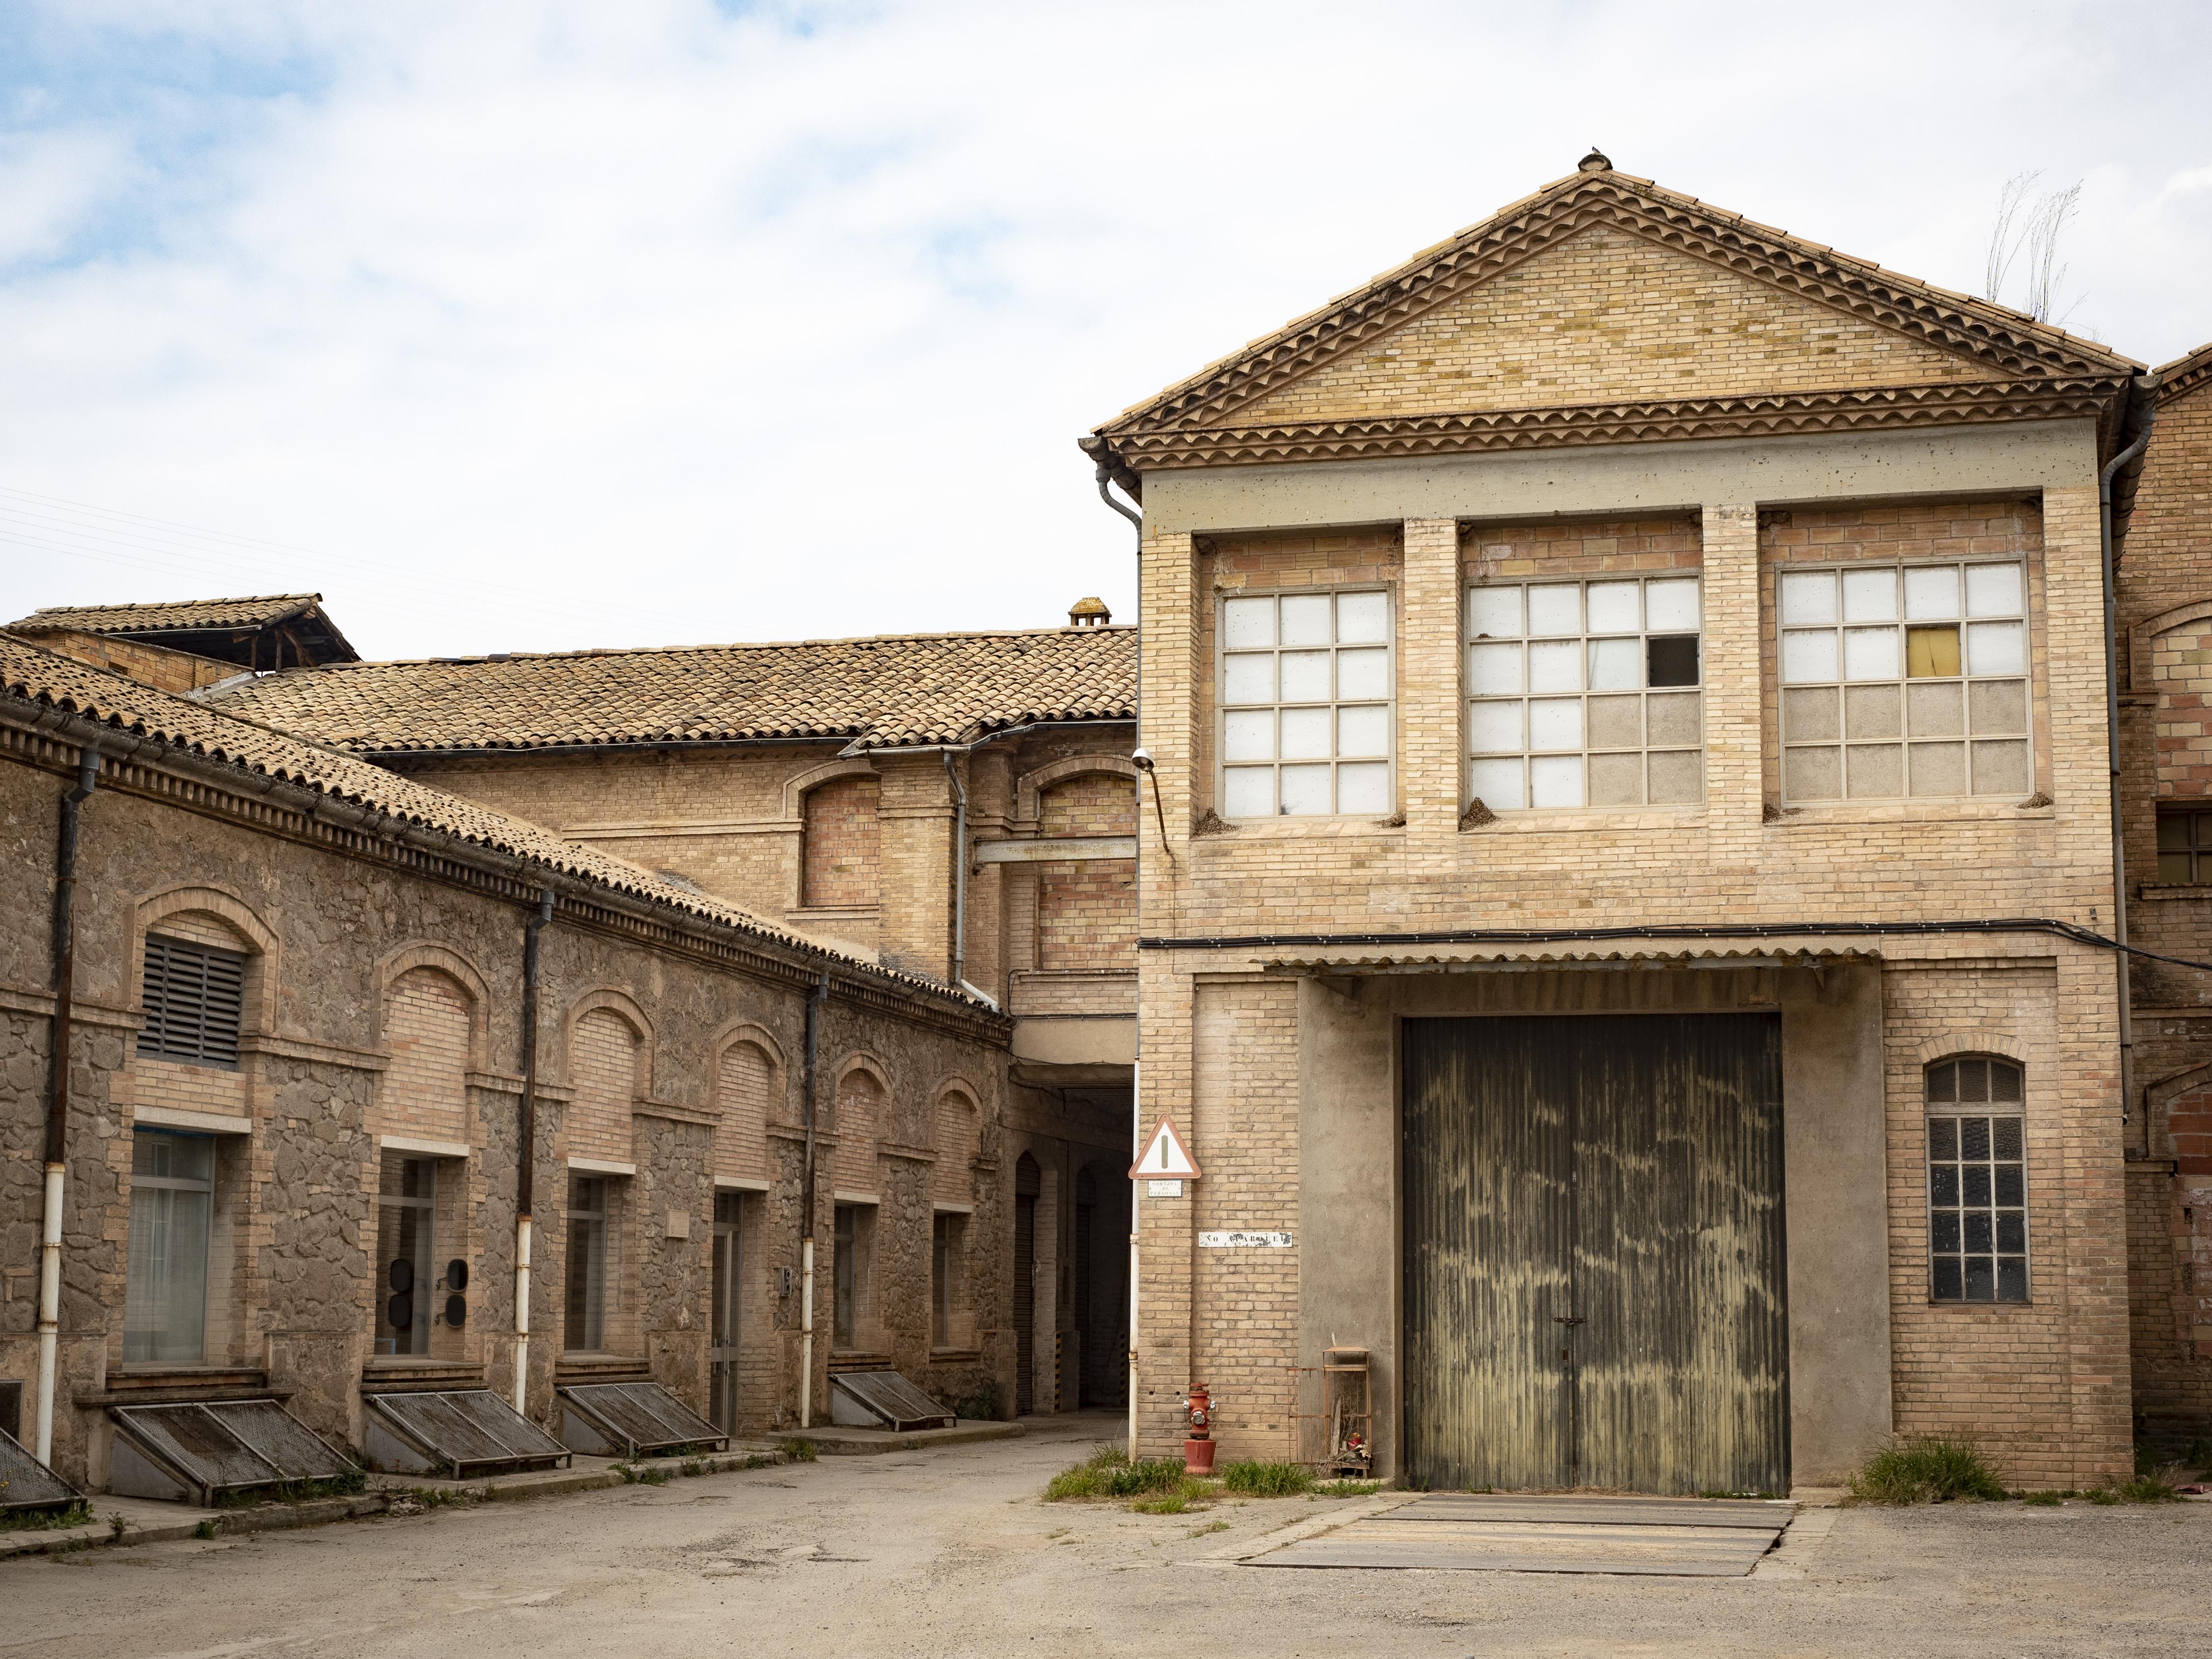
(1089, 613)
(1596, 162)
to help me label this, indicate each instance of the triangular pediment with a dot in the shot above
(1605, 293)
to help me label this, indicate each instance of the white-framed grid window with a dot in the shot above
(1585, 693)
(1905, 680)
(1306, 705)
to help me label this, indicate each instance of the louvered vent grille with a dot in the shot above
(193, 995)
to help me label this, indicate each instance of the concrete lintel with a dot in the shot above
(1066, 849)
(1091, 1040)
(1641, 478)
(178, 1117)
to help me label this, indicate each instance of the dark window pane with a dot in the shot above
(2012, 1278)
(2174, 867)
(2172, 831)
(1981, 1279)
(1943, 1083)
(1973, 1080)
(2204, 822)
(2012, 1231)
(2005, 1139)
(1974, 1186)
(1943, 1187)
(1947, 1281)
(1672, 661)
(1974, 1138)
(1943, 1232)
(2004, 1081)
(2011, 1185)
(1943, 1137)
(1980, 1234)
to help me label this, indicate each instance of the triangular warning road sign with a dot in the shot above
(1165, 1157)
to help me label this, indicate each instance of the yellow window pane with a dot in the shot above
(1931, 652)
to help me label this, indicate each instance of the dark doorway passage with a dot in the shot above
(1028, 1183)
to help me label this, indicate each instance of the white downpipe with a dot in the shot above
(50, 1313)
(1137, 1095)
(806, 1334)
(522, 1315)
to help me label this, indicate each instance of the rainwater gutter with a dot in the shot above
(1105, 475)
(814, 1005)
(2145, 398)
(527, 1147)
(56, 1148)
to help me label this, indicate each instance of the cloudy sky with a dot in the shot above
(515, 325)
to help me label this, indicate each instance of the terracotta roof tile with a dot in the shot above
(879, 693)
(29, 674)
(255, 610)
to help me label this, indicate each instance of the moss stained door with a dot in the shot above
(1594, 1253)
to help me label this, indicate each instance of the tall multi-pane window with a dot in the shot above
(1902, 681)
(406, 1205)
(1305, 705)
(1585, 693)
(172, 1218)
(585, 1329)
(1977, 1183)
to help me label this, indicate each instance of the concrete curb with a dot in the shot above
(153, 1522)
(1342, 1512)
(840, 1442)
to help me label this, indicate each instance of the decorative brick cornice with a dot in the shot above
(1777, 415)
(2009, 343)
(2184, 374)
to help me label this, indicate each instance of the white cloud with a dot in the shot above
(575, 323)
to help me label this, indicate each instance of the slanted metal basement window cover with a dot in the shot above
(633, 1419)
(28, 1484)
(458, 1433)
(889, 1400)
(200, 1450)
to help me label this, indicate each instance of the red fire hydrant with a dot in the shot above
(1197, 1449)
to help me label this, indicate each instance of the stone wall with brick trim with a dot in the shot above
(296, 1197)
(1604, 315)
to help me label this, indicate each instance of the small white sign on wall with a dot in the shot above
(1245, 1241)
(1163, 1189)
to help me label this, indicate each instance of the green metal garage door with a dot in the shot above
(1594, 1254)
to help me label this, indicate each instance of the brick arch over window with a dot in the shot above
(1087, 908)
(841, 844)
(863, 1094)
(610, 1051)
(218, 917)
(1030, 786)
(428, 1020)
(750, 1093)
(958, 1139)
(2171, 654)
(441, 959)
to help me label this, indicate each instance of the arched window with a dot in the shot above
(1977, 1181)
(841, 857)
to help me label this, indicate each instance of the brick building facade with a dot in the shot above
(1637, 633)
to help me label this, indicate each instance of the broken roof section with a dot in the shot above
(142, 718)
(262, 630)
(897, 692)
(1509, 342)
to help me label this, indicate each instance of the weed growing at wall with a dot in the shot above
(1256, 1479)
(76, 1514)
(1926, 1469)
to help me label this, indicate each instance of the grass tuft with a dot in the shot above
(76, 1514)
(1253, 1479)
(802, 1451)
(1172, 1502)
(2042, 1500)
(1346, 1488)
(1926, 1469)
(2156, 1488)
(1108, 1473)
